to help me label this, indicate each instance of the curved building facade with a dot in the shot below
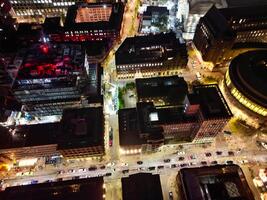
(246, 80)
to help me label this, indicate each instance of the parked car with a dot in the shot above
(181, 158)
(151, 168)
(92, 168)
(229, 162)
(160, 167)
(203, 163)
(139, 162)
(167, 160)
(231, 153)
(208, 154)
(214, 162)
(173, 166)
(218, 153)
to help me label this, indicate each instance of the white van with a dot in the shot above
(198, 75)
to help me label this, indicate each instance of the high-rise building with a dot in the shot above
(38, 10)
(196, 118)
(151, 55)
(221, 31)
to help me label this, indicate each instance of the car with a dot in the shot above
(92, 168)
(82, 170)
(208, 154)
(227, 132)
(160, 167)
(34, 181)
(192, 157)
(102, 167)
(214, 162)
(192, 163)
(184, 165)
(75, 177)
(229, 162)
(60, 172)
(167, 160)
(139, 162)
(108, 174)
(151, 168)
(231, 153)
(173, 166)
(110, 143)
(125, 171)
(170, 196)
(72, 171)
(203, 163)
(218, 153)
(181, 158)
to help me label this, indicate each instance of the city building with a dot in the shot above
(154, 20)
(245, 80)
(197, 9)
(47, 78)
(80, 133)
(79, 189)
(169, 90)
(151, 55)
(94, 21)
(201, 116)
(223, 182)
(141, 186)
(37, 11)
(218, 43)
(213, 36)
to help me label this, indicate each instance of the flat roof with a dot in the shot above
(212, 102)
(81, 128)
(248, 73)
(220, 182)
(28, 135)
(150, 48)
(114, 21)
(129, 133)
(80, 189)
(142, 186)
(173, 88)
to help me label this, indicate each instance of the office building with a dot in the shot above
(154, 20)
(151, 55)
(141, 186)
(169, 90)
(245, 80)
(38, 10)
(240, 28)
(63, 190)
(203, 114)
(94, 21)
(80, 133)
(224, 182)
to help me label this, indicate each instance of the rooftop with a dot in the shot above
(64, 190)
(211, 100)
(173, 88)
(150, 48)
(28, 135)
(220, 182)
(150, 10)
(81, 128)
(94, 16)
(142, 186)
(248, 72)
